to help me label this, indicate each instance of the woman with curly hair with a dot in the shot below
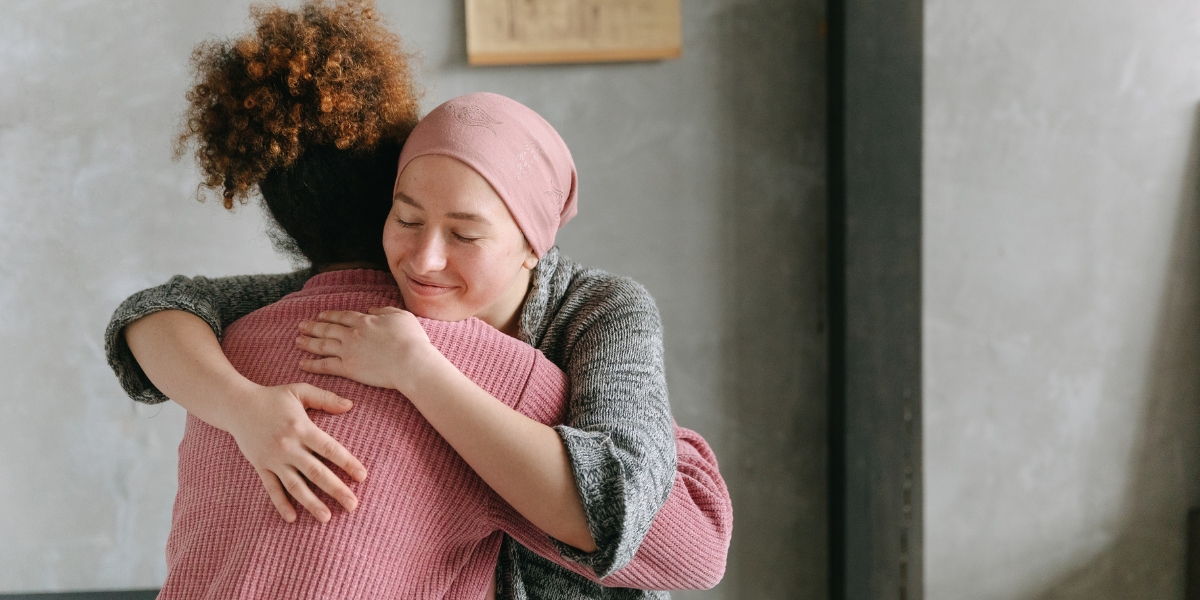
(308, 110)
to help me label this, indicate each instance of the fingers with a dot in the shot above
(318, 399)
(322, 444)
(345, 318)
(297, 488)
(323, 366)
(322, 329)
(384, 310)
(319, 346)
(278, 498)
(318, 474)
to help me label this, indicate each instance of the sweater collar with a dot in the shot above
(351, 278)
(548, 288)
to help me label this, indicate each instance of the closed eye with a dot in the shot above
(406, 224)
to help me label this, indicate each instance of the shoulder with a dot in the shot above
(592, 294)
(251, 287)
(597, 297)
(580, 305)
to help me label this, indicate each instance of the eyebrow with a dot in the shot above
(402, 197)
(459, 216)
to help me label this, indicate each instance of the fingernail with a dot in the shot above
(325, 517)
(349, 503)
(359, 474)
(343, 402)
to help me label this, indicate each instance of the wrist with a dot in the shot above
(218, 406)
(425, 366)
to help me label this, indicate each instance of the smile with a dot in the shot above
(426, 289)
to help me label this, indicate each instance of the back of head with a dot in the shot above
(310, 109)
(332, 204)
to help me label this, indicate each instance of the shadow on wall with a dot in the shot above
(1147, 557)
(773, 94)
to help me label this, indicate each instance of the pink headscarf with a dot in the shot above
(514, 149)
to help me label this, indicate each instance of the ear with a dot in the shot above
(531, 259)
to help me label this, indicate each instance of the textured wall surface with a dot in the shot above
(1062, 273)
(701, 178)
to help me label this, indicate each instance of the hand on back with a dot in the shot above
(275, 434)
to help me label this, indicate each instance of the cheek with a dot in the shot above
(395, 243)
(486, 274)
(477, 271)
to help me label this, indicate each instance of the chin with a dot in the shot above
(437, 311)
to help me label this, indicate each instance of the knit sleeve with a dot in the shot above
(688, 541)
(218, 301)
(618, 433)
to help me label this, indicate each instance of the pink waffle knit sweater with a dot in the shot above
(426, 526)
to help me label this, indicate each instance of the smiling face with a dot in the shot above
(453, 247)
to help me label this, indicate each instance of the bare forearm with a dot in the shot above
(524, 461)
(183, 358)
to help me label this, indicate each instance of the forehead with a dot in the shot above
(444, 185)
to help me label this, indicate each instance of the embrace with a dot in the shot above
(457, 409)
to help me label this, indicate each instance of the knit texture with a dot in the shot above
(685, 548)
(425, 523)
(605, 332)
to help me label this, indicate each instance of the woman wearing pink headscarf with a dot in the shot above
(483, 185)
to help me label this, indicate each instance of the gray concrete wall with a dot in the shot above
(701, 177)
(1062, 316)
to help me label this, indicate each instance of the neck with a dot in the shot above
(344, 266)
(505, 313)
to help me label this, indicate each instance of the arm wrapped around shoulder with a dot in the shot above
(618, 433)
(217, 301)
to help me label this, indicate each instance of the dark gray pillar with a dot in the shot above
(1192, 589)
(875, 299)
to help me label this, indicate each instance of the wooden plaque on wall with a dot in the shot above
(509, 32)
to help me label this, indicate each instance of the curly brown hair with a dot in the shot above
(326, 74)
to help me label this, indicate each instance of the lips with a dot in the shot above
(425, 288)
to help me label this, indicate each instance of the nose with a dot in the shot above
(430, 254)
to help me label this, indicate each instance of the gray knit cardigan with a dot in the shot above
(603, 331)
